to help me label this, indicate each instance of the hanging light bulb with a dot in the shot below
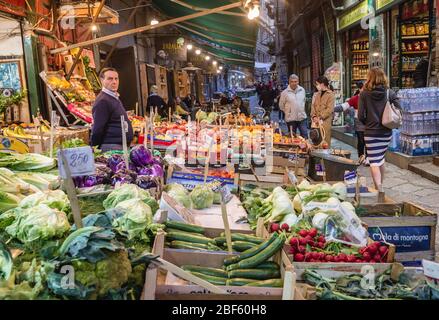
(218, 71)
(220, 67)
(198, 51)
(189, 46)
(256, 11)
(207, 58)
(94, 28)
(154, 22)
(214, 62)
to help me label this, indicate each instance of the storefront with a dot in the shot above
(13, 82)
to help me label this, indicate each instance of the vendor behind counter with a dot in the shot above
(107, 111)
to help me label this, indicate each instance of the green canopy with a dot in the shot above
(231, 37)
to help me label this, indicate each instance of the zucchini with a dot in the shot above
(218, 281)
(184, 227)
(241, 246)
(213, 247)
(257, 274)
(220, 241)
(239, 282)
(251, 252)
(272, 283)
(207, 271)
(268, 265)
(188, 246)
(260, 257)
(182, 236)
(180, 231)
(245, 237)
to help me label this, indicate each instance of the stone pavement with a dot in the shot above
(402, 185)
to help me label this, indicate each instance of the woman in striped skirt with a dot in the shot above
(371, 107)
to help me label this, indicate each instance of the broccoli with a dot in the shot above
(110, 273)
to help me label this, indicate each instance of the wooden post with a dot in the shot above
(71, 191)
(124, 140)
(226, 225)
(52, 131)
(357, 191)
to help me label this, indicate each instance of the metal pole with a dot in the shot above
(147, 27)
(78, 55)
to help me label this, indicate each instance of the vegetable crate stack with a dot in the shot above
(411, 228)
(260, 271)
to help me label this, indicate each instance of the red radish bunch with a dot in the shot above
(307, 238)
(374, 253)
(275, 227)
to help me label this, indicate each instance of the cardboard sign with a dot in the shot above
(80, 161)
(183, 212)
(292, 177)
(320, 170)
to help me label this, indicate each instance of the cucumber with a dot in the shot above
(188, 246)
(182, 236)
(272, 283)
(257, 274)
(260, 257)
(251, 252)
(218, 281)
(180, 231)
(184, 227)
(213, 247)
(220, 241)
(238, 282)
(241, 246)
(206, 271)
(268, 265)
(245, 237)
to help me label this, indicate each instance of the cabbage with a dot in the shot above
(140, 156)
(125, 192)
(179, 194)
(318, 221)
(38, 223)
(333, 201)
(135, 220)
(297, 201)
(55, 199)
(217, 198)
(202, 197)
(201, 115)
(340, 190)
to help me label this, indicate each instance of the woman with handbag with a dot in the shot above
(322, 109)
(374, 101)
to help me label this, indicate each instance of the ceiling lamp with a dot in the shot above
(207, 58)
(189, 46)
(252, 7)
(220, 67)
(94, 28)
(214, 62)
(198, 51)
(154, 22)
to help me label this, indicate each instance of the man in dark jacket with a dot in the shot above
(155, 101)
(107, 111)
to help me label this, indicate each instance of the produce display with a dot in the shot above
(251, 268)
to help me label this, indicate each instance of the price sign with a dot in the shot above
(80, 161)
(225, 193)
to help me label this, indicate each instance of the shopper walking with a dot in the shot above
(292, 102)
(358, 126)
(107, 110)
(322, 108)
(371, 107)
(155, 101)
(266, 100)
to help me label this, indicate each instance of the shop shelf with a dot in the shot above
(416, 52)
(426, 36)
(360, 51)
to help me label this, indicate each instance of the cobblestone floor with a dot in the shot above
(403, 185)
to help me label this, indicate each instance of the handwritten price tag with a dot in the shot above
(80, 161)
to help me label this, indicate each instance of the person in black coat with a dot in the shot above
(155, 101)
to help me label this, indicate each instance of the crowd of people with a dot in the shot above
(368, 102)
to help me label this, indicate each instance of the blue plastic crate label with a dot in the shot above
(79, 160)
(320, 170)
(406, 239)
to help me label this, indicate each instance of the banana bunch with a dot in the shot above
(44, 128)
(18, 132)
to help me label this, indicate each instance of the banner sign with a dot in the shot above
(171, 48)
(353, 16)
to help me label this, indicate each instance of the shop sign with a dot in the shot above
(14, 7)
(171, 48)
(380, 4)
(406, 239)
(353, 16)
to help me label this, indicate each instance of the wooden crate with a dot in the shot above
(268, 181)
(156, 286)
(400, 222)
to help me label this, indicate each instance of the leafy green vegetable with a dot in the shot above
(55, 199)
(5, 263)
(26, 162)
(135, 220)
(38, 223)
(8, 201)
(179, 194)
(125, 192)
(202, 197)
